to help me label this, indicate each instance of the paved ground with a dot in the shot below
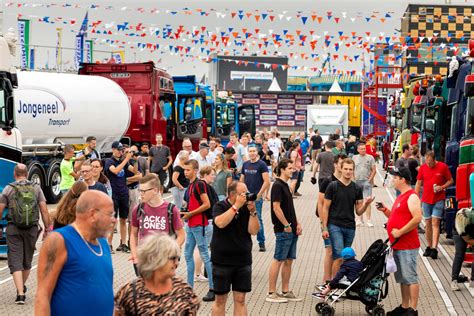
(436, 297)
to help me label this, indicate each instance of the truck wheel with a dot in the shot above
(53, 193)
(167, 182)
(36, 175)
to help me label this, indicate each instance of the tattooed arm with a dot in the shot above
(51, 260)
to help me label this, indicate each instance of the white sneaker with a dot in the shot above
(290, 296)
(359, 223)
(200, 278)
(274, 298)
(454, 285)
(370, 224)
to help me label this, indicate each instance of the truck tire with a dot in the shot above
(167, 183)
(36, 175)
(52, 192)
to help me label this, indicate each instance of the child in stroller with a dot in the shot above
(348, 273)
(369, 285)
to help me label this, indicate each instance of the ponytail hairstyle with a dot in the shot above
(282, 164)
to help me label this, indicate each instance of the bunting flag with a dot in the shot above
(59, 32)
(24, 34)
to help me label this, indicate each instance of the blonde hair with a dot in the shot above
(205, 171)
(154, 252)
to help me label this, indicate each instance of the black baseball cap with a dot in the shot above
(203, 145)
(402, 172)
(117, 145)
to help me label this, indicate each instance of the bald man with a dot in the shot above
(22, 236)
(75, 273)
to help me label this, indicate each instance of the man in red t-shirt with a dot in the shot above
(435, 178)
(198, 202)
(403, 220)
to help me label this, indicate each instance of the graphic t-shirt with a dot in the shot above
(118, 182)
(99, 187)
(363, 166)
(66, 168)
(253, 172)
(155, 220)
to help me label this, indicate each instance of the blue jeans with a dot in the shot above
(341, 237)
(261, 233)
(194, 236)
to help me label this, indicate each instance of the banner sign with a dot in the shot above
(24, 32)
(79, 53)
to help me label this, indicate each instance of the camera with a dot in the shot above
(379, 205)
(250, 196)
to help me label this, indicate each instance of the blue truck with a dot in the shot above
(223, 115)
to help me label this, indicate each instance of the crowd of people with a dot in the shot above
(218, 194)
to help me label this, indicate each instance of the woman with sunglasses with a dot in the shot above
(157, 291)
(223, 176)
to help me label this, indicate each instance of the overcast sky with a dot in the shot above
(43, 35)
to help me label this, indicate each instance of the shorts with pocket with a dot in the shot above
(285, 246)
(406, 266)
(121, 206)
(433, 210)
(239, 278)
(21, 247)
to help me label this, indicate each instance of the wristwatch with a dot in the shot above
(254, 214)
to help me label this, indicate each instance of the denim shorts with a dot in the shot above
(341, 237)
(433, 210)
(285, 246)
(406, 266)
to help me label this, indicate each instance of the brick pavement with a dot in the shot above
(307, 270)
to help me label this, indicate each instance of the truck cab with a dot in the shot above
(190, 111)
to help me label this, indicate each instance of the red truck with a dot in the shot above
(154, 105)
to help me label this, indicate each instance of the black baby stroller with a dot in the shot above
(371, 287)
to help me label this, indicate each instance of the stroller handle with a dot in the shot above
(394, 242)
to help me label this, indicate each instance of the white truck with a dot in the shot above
(327, 118)
(50, 110)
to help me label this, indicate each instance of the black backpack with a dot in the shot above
(211, 193)
(141, 217)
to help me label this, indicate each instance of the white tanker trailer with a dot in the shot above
(53, 109)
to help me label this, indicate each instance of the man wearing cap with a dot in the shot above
(115, 168)
(160, 159)
(403, 220)
(203, 157)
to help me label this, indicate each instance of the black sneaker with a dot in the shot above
(411, 312)
(210, 296)
(20, 299)
(125, 248)
(397, 311)
(427, 252)
(120, 247)
(262, 248)
(434, 254)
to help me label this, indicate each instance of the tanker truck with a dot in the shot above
(52, 110)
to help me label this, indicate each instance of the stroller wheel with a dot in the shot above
(319, 307)
(328, 311)
(369, 309)
(378, 311)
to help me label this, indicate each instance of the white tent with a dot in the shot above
(275, 86)
(335, 87)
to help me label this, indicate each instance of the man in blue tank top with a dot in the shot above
(75, 273)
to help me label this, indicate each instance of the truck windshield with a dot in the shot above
(226, 113)
(326, 129)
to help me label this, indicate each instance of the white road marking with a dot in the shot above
(11, 278)
(4, 268)
(436, 280)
